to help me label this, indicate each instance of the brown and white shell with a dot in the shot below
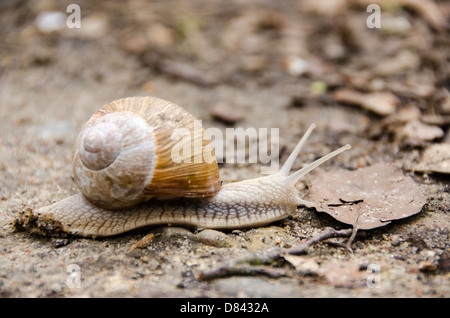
(125, 154)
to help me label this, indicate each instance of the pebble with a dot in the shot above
(176, 232)
(55, 288)
(54, 131)
(255, 287)
(207, 237)
(296, 66)
(50, 21)
(396, 240)
(213, 238)
(381, 103)
(226, 113)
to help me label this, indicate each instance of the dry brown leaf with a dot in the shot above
(382, 103)
(416, 132)
(427, 9)
(436, 158)
(344, 274)
(242, 32)
(338, 273)
(326, 8)
(366, 198)
(405, 114)
(403, 61)
(445, 106)
(303, 265)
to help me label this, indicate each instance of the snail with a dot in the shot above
(122, 163)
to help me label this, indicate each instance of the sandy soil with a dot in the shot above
(249, 56)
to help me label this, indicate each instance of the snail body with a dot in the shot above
(190, 193)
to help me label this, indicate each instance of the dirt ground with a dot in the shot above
(237, 63)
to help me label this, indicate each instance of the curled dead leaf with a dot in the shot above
(304, 265)
(381, 103)
(429, 10)
(416, 132)
(436, 158)
(344, 274)
(366, 198)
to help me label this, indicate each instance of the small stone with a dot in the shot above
(55, 288)
(212, 237)
(60, 242)
(170, 232)
(427, 267)
(226, 113)
(396, 240)
(296, 66)
(255, 287)
(381, 103)
(50, 21)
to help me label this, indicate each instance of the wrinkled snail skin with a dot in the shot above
(248, 203)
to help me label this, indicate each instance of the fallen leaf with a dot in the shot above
(445, 105)
(382, 103)
(436, 119)
(344, 274)
(405, 115)
(429, 11)
(366, 198)
(435, 158)
(325, 8)
(395, 24)
(303, 265)
(403, 61)
(415, 132)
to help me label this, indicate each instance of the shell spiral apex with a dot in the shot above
(100, 144)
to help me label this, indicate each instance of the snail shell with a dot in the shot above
(123, 155)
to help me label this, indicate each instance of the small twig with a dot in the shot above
(242, 271)
(142, 243)
(235, 267)
(352, 237)
(326, 234)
